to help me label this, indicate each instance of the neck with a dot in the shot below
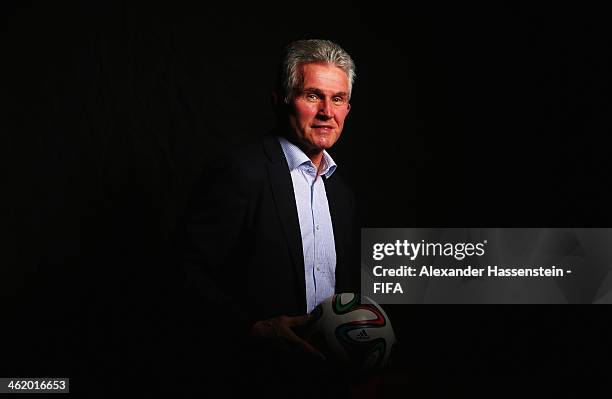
(316, 157)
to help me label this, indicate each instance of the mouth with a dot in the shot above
(324, 128)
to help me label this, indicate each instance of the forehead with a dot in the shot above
(325, 77)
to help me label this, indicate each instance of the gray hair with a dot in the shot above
(312, 51)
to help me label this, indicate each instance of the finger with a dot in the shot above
(292, 337)
(299, 320)
(263, 328)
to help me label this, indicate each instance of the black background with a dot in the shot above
(488, 115)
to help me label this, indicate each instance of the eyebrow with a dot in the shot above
(321, 94)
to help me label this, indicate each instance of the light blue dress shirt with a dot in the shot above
(315, 222)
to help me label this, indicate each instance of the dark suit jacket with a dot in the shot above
(241, 245)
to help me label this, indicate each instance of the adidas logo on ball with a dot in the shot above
(351, 331)
(363, 335)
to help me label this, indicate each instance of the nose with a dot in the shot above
(325, 110)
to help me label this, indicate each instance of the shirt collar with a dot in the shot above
(296, 157)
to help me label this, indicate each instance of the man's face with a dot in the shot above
(317, 113)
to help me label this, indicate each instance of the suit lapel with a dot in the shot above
(284, 199)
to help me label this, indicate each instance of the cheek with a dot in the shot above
(305, 114)
(341, 116)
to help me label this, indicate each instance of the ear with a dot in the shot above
(348, 108)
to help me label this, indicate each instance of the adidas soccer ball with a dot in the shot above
(352, 333)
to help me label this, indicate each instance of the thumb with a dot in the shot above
(300, 320)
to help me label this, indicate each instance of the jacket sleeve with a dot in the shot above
(208, 248)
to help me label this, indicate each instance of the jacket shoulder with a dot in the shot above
(246, 162)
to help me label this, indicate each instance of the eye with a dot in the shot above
(338, 100)
(312, 97)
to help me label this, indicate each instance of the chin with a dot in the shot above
(323, 145)
(326, 142)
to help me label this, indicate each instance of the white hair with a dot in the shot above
(312, 51)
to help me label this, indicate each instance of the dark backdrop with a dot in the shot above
(462, 116)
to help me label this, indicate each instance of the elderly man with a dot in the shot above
(270, 232)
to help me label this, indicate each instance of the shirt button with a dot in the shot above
(318, 269)
(318, 227)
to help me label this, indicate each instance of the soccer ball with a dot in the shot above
(352, 333)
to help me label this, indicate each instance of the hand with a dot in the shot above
(280, 327)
